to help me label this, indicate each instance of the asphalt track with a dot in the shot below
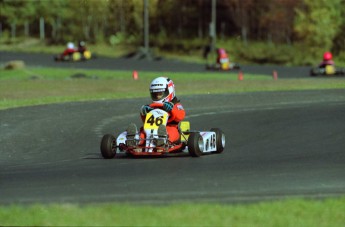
(164, 65)
(279, 144)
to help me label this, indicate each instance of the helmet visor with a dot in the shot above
(158, 95)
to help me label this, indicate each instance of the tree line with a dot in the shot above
(314, 23)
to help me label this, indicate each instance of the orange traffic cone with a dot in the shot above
(240, 75)
(275, 75)
(135, 75)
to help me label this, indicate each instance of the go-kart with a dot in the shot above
(196, 143)
(223, 65)
(76, 56)
(328, 70)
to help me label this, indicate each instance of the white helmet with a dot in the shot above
(162, 89)
(70, 45)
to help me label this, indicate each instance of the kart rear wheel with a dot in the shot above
(195, 144)
(108, 146)
(220, 139)
(340, 72)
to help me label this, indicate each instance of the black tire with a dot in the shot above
(220, 139)
(313, 72)
(108, 146)
(236, 66)
(195, 144)
(340, 72)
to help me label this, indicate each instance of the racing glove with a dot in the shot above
(168, 106)
(145, 109)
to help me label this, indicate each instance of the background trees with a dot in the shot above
(317, 25)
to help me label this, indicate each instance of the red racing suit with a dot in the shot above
(68, 51)
(176, 115)
(221, 54)
(324, 63)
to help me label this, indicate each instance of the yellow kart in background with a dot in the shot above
(76, 56)
(328, 70)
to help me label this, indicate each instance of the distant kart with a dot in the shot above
(223, 66)
(329, 70)
(196, 143)
(76, 56)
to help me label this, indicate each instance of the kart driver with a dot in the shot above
(162, 91)
(81, 47)
(70, 49)
(327, 60)
(222, 55)
(223, 61)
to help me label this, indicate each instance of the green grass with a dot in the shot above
(289, 212)
(36, 86)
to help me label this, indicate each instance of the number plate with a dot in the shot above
(155, 118)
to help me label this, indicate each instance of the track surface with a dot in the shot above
(144, 65)
(279, 144)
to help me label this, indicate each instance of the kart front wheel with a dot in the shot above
(220, 139)
(236, 66)
(195, 144)
(313, 73)
(108, 146)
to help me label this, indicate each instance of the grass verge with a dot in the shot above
(36, 86)
(290, 212)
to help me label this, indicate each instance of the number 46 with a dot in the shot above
(157, 121)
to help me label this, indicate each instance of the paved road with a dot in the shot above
(279, 144)
(145, 65)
